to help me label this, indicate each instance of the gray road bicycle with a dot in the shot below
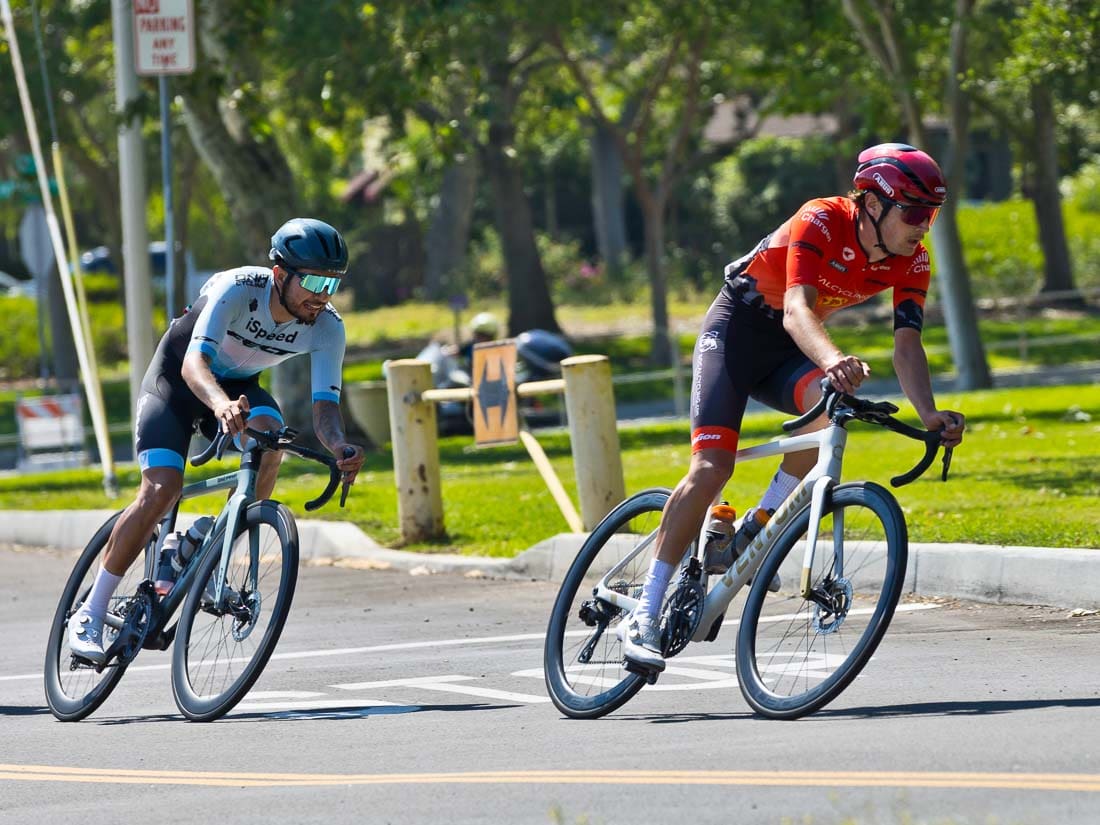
(233, 594)
(841, 549)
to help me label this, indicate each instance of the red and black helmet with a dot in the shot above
(902, 173)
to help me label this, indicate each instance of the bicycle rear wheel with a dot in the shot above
(75, 689)
(221, 649)
(794, 655)
(583, 657)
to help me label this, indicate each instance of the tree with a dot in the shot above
(1044, 56)
(877, 24)
(648, 91)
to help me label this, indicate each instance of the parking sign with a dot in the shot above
(164, 37)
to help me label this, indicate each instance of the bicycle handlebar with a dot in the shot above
(840, 406)
(283, 440)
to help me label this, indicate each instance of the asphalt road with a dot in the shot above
(399, 698)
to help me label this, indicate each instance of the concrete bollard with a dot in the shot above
(415, 450)
(597, 461)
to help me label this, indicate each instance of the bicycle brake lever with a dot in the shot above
(947, 451)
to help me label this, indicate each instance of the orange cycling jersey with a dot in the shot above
(818, 247)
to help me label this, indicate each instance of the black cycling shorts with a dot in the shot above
(168, 413)
(741, 354)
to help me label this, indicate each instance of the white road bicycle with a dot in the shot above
(842, 551)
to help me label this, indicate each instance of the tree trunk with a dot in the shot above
(662, 351)
(1057, 267)
(529, 303)
(607, 201)
(449, 229)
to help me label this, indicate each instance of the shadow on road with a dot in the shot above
(352, 711)
(23, 710)
(980, 708)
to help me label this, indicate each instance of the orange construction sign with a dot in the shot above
(494, 377)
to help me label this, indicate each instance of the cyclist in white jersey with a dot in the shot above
(204, 375)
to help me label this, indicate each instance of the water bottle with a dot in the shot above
(720, 531)
(190, 542)
(754, 522)
(166, 572)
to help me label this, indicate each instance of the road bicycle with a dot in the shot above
(841, 549)
(235, 592)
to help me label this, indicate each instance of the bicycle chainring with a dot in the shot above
(138, 616)
(681, 616)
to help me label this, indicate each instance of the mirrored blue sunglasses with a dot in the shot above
(317, 283)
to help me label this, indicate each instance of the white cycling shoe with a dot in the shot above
(641, 638)
(86, 637)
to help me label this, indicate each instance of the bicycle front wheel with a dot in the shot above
(221, 647)
(73, 688)
(796, 654)
(583, 656)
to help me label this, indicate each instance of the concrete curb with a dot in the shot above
(1057, 577)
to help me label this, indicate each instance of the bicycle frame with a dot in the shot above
(812, 490)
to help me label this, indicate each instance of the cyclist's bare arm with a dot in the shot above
(845, 371)
(230, 413)
(329, 426)
(911, 366)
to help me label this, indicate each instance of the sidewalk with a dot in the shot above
(1057, 577)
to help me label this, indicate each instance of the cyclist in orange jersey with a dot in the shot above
(764, 337)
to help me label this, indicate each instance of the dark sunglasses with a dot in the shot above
(914, 214)
(316, 283)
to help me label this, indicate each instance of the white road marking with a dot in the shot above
(446, 684)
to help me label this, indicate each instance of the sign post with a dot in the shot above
(164, 44)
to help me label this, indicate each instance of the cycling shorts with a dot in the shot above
(168, 413)
(740, 354)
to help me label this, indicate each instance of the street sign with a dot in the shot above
(494, 376)
(164, 37)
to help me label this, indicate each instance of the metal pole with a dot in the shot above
(131, 178)
(169, 219)
(87, 369)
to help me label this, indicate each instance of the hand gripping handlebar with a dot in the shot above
(283, 440)
(842, 407)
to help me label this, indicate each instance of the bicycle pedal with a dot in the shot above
(647, 673)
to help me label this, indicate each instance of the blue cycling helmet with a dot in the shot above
(307, 243)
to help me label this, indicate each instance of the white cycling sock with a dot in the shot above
(656, 583)
(104, 587)
(777, 492)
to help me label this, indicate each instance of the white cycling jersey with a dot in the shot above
(231, 323)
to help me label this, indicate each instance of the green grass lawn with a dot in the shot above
(1027, 474)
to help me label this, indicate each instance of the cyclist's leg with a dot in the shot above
(719, 393)
(162, 438)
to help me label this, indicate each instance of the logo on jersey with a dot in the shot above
(848, 253)
(838, 266)
(818, 218)
(839, 290)
(881, 181)
(253, 304)
(257, 330)
(920, 264)
(708, 341)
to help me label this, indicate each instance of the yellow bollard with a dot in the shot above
(597, 461)
(415, 450)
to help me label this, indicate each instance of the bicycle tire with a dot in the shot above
(794, 656)
(206, 699)
(74, 692)
(567, 673)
